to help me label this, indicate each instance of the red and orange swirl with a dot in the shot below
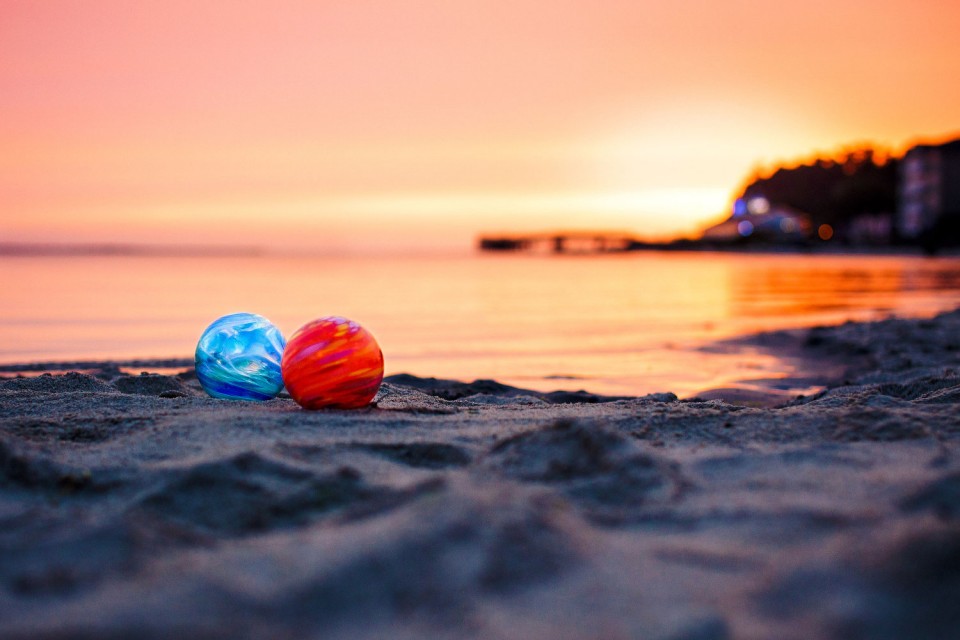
(332, 362)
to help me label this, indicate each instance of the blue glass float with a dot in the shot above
(238, 358)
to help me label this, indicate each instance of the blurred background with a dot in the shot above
(746, 165)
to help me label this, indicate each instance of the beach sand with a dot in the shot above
(135, 506)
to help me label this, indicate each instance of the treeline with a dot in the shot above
(834, 190)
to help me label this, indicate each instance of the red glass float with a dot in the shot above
(332, 362)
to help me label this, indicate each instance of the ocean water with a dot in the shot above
(620, 324)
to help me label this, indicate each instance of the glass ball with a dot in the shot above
(238, 358)
(332, 362)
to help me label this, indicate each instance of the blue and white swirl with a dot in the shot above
(238, 358)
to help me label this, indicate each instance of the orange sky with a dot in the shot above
(353, 124)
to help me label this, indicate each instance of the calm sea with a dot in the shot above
(622, 324)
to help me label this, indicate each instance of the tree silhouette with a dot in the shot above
(833, 190)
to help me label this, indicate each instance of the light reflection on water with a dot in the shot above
(627, 324)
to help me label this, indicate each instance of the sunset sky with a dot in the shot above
(352, 125)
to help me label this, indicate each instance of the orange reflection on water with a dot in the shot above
(624, 324)
(830, 289)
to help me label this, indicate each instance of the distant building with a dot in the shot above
(757, 219)
(929, 188)
(870, 229)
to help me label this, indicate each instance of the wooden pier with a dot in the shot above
(567, 242)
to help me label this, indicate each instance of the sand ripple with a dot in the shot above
(136, 506)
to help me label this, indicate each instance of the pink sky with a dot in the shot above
(334, 125)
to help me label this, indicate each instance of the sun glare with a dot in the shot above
(630, 117)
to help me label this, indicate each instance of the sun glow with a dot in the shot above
(381, 220)
(337, 123)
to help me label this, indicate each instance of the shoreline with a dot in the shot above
(818, 358)
(134, 505)
(814, 363)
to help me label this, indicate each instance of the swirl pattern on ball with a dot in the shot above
(332, 362)
(238, 358)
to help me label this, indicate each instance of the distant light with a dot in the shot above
(825, 232)
(758, 206)
(739, 208)
(745, 228)
(788, 225)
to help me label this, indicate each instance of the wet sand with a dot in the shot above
(135, 506)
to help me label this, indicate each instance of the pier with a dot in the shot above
(562, 242)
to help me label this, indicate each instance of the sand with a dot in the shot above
(135, 506)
